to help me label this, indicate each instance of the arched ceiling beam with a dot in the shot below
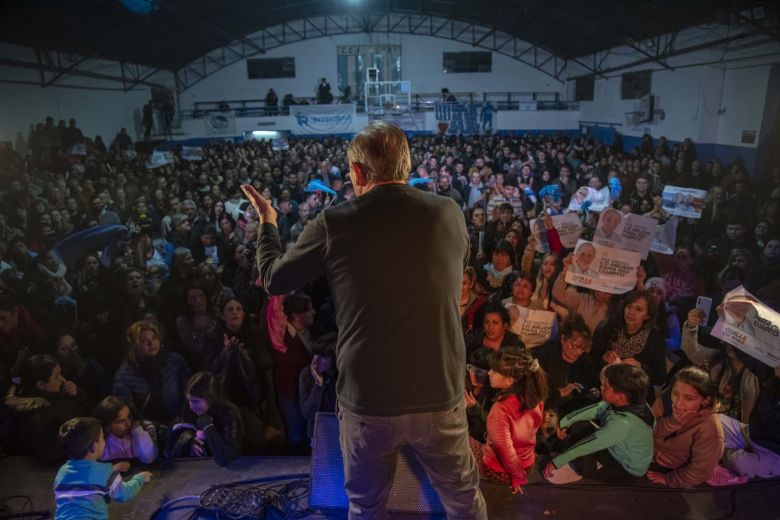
(416, 24)
(54, 67)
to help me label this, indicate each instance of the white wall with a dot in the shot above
(421, 63)
(96, 112)
(744, 97)
(101, 109)
(711, 95)
(708, 104)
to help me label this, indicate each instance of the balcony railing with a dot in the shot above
(421, 102)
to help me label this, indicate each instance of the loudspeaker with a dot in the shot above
(411, 492)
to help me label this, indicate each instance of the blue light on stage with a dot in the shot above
(139, 6)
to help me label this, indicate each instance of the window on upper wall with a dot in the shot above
(457, 62)
(584, 87)
(635, 85)
(268, 68)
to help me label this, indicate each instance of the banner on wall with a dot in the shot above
(406, 121)
(323, 119)
(603, 268)
(456, 118)
(220, 123)
(630, 232)
(749, 325)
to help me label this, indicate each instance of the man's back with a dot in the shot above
(394, 260)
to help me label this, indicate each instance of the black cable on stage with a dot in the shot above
(253, 497)
(24, 513)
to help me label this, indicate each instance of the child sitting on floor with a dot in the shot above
(620, 448)
(514, 418)
(125, 437)
(83, 486)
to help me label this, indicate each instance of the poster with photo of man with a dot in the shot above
(534, 327)
(630, 232)
(539, 229)
(609, 227)
(683, 202)
(603, 268)
(749, 325)
(569, 228)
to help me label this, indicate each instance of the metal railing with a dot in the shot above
(421, 102)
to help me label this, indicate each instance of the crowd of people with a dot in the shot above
(130, 294)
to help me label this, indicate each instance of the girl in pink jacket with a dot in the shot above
(514, 418)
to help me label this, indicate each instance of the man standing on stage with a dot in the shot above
(394, 259)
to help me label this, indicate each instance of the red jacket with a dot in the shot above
(26, 334)
(511, 438)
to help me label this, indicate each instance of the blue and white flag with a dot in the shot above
(78, 149)
(317, 185)
(280, 144)
(159, 158)
(323, 119)
(192, 153)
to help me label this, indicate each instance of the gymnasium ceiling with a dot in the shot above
(180, 31)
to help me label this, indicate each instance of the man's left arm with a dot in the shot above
(282, 272)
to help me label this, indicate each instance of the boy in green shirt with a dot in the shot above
(620, 449)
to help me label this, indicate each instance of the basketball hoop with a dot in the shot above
(633, 119)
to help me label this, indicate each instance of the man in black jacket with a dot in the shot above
(401, 354)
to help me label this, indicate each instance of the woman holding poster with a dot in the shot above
(592, 305)
(629, 336)
(534, 327)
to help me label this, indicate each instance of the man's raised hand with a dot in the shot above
(265, 211)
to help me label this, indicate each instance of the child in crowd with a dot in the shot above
(514, 418)
(689, 441)
(621, 448)
(218, 422)
(125, 437)
(83, 486)
(317, 382)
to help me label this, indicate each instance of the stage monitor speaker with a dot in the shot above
(412, 491)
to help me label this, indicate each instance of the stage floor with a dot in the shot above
(174, 479)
